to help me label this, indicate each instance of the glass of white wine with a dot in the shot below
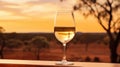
(64, 31)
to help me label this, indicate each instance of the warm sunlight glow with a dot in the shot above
(38, 16)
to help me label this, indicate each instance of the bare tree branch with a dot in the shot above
(115, 22)
(103, 7)
(98, 15)
(100, 22)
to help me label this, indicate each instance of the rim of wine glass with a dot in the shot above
(64, 11)
(60, 11)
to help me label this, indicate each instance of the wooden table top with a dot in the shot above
(42, 63)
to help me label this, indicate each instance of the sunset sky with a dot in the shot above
(38, 16)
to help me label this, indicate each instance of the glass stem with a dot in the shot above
(64, 53)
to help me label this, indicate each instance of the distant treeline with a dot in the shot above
(79, 37)
(28, 36)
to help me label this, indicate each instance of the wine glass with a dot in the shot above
(64, 31)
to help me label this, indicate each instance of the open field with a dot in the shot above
(76, 51)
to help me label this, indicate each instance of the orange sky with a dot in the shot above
(38, 16)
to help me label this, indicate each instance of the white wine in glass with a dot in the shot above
(64, 30)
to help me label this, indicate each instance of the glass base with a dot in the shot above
(64, 62)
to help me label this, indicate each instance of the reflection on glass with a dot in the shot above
(64, 30)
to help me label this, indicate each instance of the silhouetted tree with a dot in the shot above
(14, 43)
(107, 13)
(96, 59)
(87, 59)
(2, 42)
(38, 43)
(27, 46)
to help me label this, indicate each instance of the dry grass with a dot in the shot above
(75, 52)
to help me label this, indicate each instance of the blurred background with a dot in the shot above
(27, 30)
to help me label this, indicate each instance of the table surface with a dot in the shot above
(52, 63)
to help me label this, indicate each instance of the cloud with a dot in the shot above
(16, 1)
(33, 8)
(15, 9)
(34, 2)
(5, 15)
(46, 7)
(44, 10)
